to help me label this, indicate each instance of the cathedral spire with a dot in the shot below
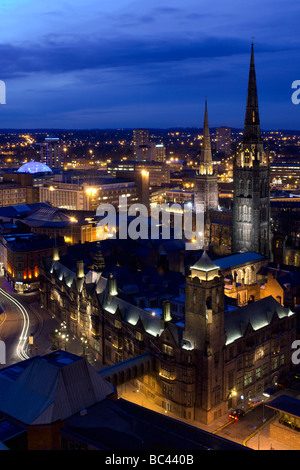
(252, 125)
(206, 155)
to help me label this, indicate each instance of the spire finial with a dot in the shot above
(252, 127)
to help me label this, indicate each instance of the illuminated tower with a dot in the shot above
(251, 174)
(51, 153)
(204, 329)
(141, 144)
(206, 185)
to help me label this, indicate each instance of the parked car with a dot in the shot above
(270, 391)
(255, 401)
(284, 382)
(236, 414)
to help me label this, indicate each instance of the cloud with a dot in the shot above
(73, 53)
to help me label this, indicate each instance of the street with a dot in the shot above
(239, 431)
(22, 317)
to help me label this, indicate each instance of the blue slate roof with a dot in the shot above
(237, 259)
(256, 315)
(46, 389)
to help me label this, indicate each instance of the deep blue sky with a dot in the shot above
(124, 63)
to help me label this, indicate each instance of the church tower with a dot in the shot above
(206, 185)
(251, 175)
(204, 330)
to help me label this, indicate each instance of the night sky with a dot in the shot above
(127, 64)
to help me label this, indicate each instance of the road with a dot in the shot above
(14, 327)
(23, 316)
(240, 431)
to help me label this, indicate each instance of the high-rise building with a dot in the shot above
(160, 153)
(143, 148)
(51, 153)
(251, 173)
(223, 140)
(206, 185)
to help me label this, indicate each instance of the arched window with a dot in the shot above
(241, 187)
(249, 187)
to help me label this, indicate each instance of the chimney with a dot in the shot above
(112, 285)
(166, 308)
(55, 256)
(80, 269)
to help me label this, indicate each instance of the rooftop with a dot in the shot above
(34, 167)
(46, 389)
(255, 315)
(238, 259)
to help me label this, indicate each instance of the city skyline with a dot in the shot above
(129, 65)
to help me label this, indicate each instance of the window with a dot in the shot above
(247, 379)
(167, 390)
(167, 372)
(230, 380)
(138, 336)
(239, 383)
(274, 363)
(167, 350)
(258, 373)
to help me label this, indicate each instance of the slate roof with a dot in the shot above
(257, 315)
(46, 389)
(238, 259)
(20, 210)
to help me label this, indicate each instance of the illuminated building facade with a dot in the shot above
(22, 255)
(206, 185)
(52, 153)
(206, 363)
(86, 197)
(251, 175)
(159, 172)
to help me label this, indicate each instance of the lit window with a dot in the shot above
(167, 350)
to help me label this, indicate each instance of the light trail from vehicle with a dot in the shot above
(24, 333)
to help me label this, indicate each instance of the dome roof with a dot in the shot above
(34, 167)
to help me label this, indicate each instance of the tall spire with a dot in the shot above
(252, 125)
(206, 155)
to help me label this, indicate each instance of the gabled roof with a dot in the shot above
(255, 315)
(132, 314)
(47, 389)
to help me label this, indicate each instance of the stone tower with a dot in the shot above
(251, 174)
(206, 185)
(204, 329)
